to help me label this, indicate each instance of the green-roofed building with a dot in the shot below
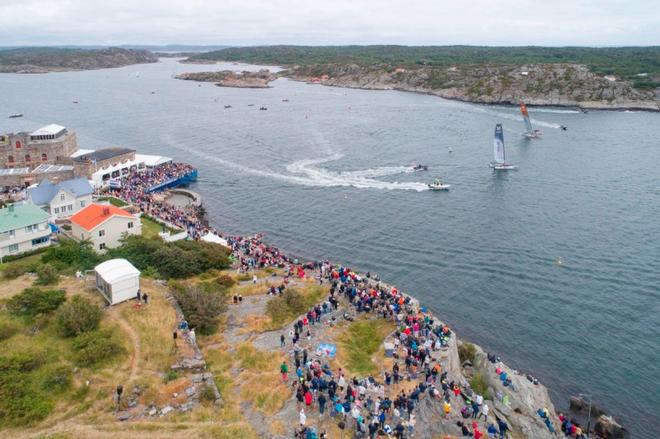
(23, 227)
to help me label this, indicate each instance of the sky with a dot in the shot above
(256, 22)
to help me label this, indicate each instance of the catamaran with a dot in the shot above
(500, 164)
(530, 133)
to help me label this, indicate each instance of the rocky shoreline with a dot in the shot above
(557, 85)
(228, 78)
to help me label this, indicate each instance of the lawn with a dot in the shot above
(359, 342)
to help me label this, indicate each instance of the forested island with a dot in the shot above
(52, 59)
(599, 78)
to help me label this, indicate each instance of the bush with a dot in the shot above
(72, 255)
(47, 275)
(7, 330)
(151, 272)
(207, 394)
(225, 281)
(171, 375)
(14, 271)
(201, 305)
(77, 316)
(467, 351)
(96, 347)
(56, 379)
(33, 301)
(480, 385)
(24, 361)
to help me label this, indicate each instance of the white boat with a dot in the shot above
(499, 163)
(438, 185)
(530, 133)
(15, 115)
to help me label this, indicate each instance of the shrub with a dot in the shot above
(171, 375)
(96, 347)
(480, 385)
(72, 255)
(151, 272)
(225, 281)
(33, 301)
(47, 275)
(201, 305)
(207, 394)
(467, 351)
(24, 361)
(56, 379)
(14, 271)
(77, 316)
(7, 330)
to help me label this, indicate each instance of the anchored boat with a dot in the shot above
(499, 163)
(15, 115)
(530, 133)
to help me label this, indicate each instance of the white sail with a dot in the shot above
(498, 144)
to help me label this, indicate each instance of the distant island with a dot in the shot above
(51, 59)
(228, 78)
(589, 78)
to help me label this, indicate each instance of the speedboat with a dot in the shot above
(438, 185)
(263, 108)
(227, 106)
(285, 100)
(420, 168)
(15, 115)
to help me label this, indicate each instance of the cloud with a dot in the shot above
(247, 22)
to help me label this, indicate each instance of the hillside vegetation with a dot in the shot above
(51, 59)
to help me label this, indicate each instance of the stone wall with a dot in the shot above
(18, 151)
(85, 168)
(27, 179)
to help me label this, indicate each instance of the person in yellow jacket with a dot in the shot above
(447, 409)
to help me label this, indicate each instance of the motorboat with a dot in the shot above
(15, 115)
(499, 163)
(227, 106)
(419, 167)
(438, 185)
(263, 108)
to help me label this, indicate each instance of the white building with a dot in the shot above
(63, 199)
(104, 225)
(23, 227)
(117, 280)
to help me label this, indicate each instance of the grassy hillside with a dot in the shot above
(624, 62)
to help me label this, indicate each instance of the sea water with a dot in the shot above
(327, 175)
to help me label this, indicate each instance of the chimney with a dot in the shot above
(106, 211)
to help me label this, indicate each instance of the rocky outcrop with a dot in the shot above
(571, 85)
(44, 60)
(228, 78)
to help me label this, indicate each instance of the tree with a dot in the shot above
(201, 305)
(33, 301)
(77, 316)
(47, 275)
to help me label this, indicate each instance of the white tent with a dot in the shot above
(215, 239)
(117, 280)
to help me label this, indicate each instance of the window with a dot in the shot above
(12, 234)
(28, 159)
(70, 207)
(62, 196)
(18, 144)
(82, 203)
(30, 229)
(130, 224)
(101, 232)
(13, 248)
(102, 246)
(57, 210)
(10, 159)
(44, 157)
(40, 240)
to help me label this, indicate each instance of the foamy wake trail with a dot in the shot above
(308, 174)
(517, 118)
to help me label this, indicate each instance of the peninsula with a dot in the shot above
(51, 59)
(588, 78)
(228, 78)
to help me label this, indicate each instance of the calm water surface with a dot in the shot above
(323, 175)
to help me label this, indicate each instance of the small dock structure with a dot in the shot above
(175, 182)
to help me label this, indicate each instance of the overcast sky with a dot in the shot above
(250, 22)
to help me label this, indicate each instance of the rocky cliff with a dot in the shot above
(571, 85)
(228, 78)
(44, 60)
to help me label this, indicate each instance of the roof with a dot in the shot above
(44, 193)
(152, 160)
(14, 171)
(16, 216)
(80, 152)
(115, 270)
(95, 214)
(52, 129)
(103, 154)
(46, 168)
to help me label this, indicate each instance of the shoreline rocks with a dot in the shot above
(229, 78)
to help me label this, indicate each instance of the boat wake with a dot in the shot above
(509, 116)
(308, 172)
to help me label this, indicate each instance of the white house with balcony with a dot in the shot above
(63, 199)
(23, 228)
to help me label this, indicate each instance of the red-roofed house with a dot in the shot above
(104, 225)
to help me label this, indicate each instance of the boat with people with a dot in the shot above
(531, 133)
(438, 185)
(419, 167)
(499, 163)
(15, 115)
(263, 108)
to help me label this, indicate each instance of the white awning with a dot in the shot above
(215, 239)
(51, 130)
(116, 270)
(152, 160)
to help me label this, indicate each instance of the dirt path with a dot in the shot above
(135, 338)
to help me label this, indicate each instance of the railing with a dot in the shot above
(174, 182)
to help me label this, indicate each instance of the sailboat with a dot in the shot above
(530, 133)
(500, 164)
